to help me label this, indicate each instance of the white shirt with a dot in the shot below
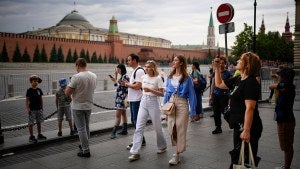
(133, 94)
(152, 83)
(175, 81)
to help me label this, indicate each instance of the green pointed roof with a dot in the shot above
(211, 21)
(113, 27)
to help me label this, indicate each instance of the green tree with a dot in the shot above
(110, 59)
(100, 60)
(4, 54)
(60, 55)
(75, 56)
(69, 58)
(189, 60)
(82, 54)
(36, 55)
(44, 57)
(243, 42)
(17, 57)
(87, 57)
(53, 54)
(26, 57)
(94, 58)
(272, 46)
(104, 59)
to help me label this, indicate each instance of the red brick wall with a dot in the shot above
(114, 48)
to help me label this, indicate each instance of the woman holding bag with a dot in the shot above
(180, 89)
(244, 115)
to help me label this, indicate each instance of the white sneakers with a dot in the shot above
(133, 157)
(175, 160)
(161, 150)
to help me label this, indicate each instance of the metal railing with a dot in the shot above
(16, 85)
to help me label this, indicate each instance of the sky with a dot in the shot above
(180, 21)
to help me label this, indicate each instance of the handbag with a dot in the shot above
(226, 115)
(241, 164)
(126, 102)
(168, 108)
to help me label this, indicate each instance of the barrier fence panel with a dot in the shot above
(16, 85)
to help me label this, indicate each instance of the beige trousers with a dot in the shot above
(178, 123)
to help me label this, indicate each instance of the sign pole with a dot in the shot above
(226, 30)
(225, 13)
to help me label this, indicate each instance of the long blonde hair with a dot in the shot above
(153, 65)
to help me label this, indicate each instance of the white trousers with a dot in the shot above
(149, 106)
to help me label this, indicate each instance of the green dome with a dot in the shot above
(75, 19)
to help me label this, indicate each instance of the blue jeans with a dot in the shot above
(134, 109)
(82, 122)
(199, 102)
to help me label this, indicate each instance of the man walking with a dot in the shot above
(82, 88)
(134, 89)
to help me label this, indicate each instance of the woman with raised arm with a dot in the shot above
(245, 92)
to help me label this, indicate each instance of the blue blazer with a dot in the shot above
(184, 90)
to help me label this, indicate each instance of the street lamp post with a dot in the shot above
(254, 32)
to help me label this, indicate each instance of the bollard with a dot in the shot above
(54, 87)
(10, 90)
(105, 84)
(1, 135)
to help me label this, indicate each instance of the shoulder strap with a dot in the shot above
(134, 73)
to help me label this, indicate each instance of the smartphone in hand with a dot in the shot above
(110, 76)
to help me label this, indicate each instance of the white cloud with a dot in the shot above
(182, 22)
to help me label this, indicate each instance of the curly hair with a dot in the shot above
(252, 64)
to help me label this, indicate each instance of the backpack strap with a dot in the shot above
(134, 73)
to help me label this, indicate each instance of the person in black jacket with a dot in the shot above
(244, 116)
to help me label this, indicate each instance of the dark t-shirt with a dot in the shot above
(35, 98)
(241, 90)
(224, 75)
(285, 102)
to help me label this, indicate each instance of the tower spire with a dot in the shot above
(287, 35)
(262, 27)
(113, 32)
(211, 31)
(75, 7)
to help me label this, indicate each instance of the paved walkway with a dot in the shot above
(205, 151)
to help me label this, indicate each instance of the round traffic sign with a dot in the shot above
(225, 13)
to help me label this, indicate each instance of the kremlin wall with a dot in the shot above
(74, 32)
(118, 49)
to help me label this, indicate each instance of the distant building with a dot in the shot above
(211, 48)
(287, 34)
(262, 28)
(75, 26)
(211, 32)
(75, 34)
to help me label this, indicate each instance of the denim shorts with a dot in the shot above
(35, 116)
(64, 111)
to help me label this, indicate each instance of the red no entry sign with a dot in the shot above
(225, 13)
